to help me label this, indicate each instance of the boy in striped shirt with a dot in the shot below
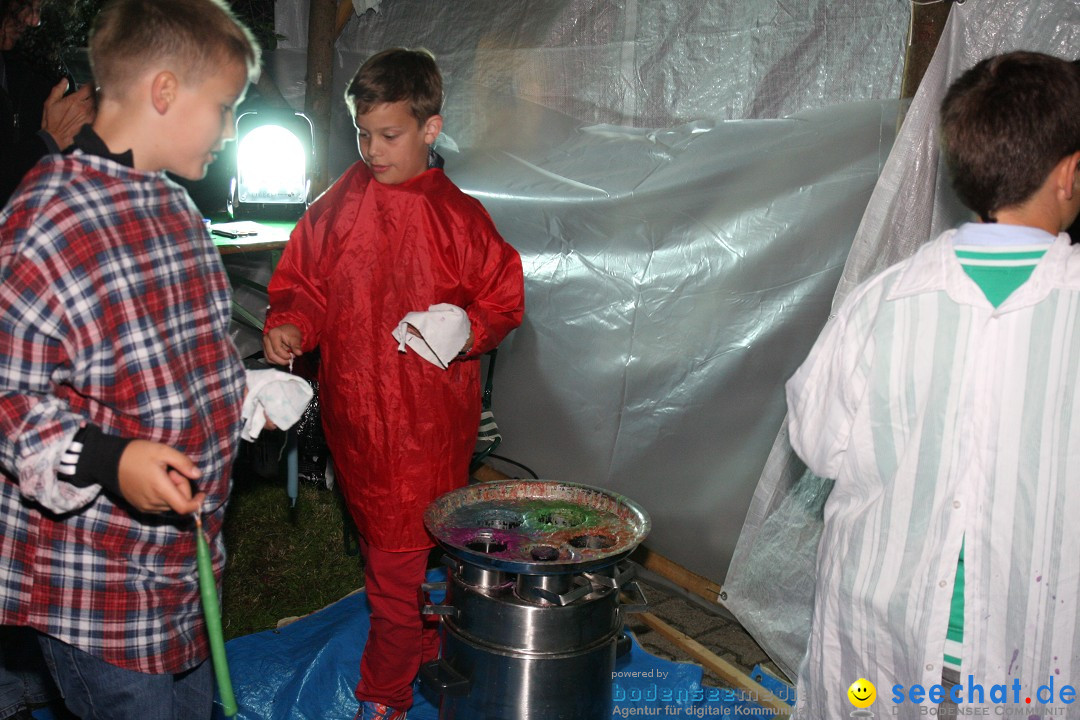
(944, 398)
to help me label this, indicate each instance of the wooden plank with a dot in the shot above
(344, 12)
(486, 473)
(320, 78)
(729, 674)
(657, 563)
(927, 23)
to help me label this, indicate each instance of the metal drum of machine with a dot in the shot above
(532, 620)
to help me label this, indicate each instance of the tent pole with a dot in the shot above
(322, 15)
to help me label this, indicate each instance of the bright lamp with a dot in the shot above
(274, 157)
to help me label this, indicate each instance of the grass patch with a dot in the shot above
(282, 561)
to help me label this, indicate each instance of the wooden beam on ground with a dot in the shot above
(732, 676)
(657, 563)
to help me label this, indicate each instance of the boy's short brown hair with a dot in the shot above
(394, 75)
(199, 35)
(1005, 124)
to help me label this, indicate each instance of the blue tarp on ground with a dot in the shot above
(307, 671)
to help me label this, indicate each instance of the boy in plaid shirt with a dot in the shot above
(120, 388)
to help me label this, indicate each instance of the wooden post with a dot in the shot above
(322, 15)
(927, 22)
(728, 673)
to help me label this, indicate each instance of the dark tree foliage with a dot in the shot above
(64, 26)
(66, 23)
(259, 16)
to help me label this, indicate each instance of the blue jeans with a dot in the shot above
(24, 679)
(95, 690)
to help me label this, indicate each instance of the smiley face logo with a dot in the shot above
(862, 693)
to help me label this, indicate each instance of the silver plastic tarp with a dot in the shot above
(769, 586)
(683, 182)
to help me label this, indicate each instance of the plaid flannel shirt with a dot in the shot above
(114, 310)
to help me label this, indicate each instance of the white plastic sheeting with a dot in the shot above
(770, 584)
(679, 257)
(642, 63)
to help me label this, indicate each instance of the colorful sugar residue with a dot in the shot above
(541, 523)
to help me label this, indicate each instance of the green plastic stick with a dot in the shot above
(212, 611)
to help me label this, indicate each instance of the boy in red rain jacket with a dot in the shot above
(393, 236)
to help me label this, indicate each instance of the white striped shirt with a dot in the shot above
(941, 417)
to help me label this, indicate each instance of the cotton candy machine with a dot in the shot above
(532, 620)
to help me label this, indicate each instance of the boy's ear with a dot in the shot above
(163, 90)
(1066, 177)
(432, 128)
(1074, 167)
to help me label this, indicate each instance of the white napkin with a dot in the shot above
(276, 395)
(443, 329)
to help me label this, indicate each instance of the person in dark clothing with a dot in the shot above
(36, 116)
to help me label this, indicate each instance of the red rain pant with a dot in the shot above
(400, 639)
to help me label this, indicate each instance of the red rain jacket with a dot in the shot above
(401, 431)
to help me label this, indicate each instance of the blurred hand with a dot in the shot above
(156, 478)
(63, 115)
(282, 344)
(269, 423)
